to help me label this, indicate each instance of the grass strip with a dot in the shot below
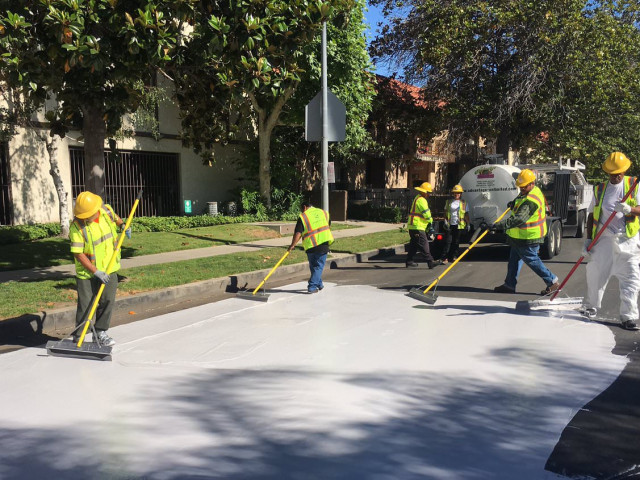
(37, 295)
(55, 251)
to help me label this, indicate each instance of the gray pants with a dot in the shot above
(87, 290)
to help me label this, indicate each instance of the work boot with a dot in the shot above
(104, 339)
(504, 289)
(550, 289)
(629, 325)
(434, 263)
(411, 264)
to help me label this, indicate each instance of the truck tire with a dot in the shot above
(582, 223)
(558, 237)
(547, 251)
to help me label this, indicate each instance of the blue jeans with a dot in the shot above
(529, 255)
(316, 265)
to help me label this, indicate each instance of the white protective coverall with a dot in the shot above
(614, 255)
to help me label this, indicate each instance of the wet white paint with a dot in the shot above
(353, 382)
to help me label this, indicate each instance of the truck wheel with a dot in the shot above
(558, 237)
(548, 247)
(582, 224)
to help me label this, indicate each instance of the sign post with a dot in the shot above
(325, 121)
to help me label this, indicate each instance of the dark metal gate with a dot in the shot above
(6, 213)
(155, 173)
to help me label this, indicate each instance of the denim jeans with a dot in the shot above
(316, 266)
(529, 255)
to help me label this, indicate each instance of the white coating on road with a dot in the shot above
(353, 382)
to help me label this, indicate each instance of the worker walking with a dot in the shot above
(456, 218)
(93, 235)
(617, 252)
(419, 222)
(526, 229)
(314, 227)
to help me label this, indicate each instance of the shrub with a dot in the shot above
(27, 233)
(370, 213)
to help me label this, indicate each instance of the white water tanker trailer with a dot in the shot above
(489, 188)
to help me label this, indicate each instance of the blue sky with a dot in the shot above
(372, 17)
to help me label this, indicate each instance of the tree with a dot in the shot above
(348, 77)
(239, 68)
(90, 55)
(512, 69)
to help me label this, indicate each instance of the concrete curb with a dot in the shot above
(63, 319)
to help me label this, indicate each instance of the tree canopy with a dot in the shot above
(512, 70)
(92, 56)
(241, 65)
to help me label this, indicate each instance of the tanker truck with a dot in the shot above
(489, 188)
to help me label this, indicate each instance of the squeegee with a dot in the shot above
(95, 350)
(256, 294)
(431, 297)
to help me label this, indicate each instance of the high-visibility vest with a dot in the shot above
(462, 208)
(316, 228)
(97, 240)
(631, 222)
(536, 226)
(420, 214)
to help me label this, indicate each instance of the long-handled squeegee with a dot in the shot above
(431, 298)
(261, 296)
(575, 302)
(93, 350)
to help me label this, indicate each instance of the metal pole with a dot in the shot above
(325, 123)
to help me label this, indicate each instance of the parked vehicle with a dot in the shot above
(489, 188)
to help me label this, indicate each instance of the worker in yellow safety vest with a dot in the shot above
(419, 223)
(314, 228)
(526, 229)
(617, 252)
(94, 236)
(456, 218)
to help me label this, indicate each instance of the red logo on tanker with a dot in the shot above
(485, 172)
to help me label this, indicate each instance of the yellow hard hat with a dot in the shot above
(525, 178)
(457, 189)
(616, 163)
(86, 205)
(425, 188)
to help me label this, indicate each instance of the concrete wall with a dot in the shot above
(34, 196)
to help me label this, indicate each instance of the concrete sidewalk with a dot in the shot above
(36, 328)
(178, 256)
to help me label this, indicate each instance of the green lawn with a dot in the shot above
(33, 296)
(55, 251)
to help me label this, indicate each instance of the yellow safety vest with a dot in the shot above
(632, 224)
(97, 240)
(420, 214)
(316, 228)
(536, 226)
(461, 210)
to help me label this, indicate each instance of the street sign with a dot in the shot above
(187, 206)
(336, 115)
(331, 173)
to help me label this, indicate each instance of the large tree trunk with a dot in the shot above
(267, 121)
(264, 168)
(51, 145)
(94, 130)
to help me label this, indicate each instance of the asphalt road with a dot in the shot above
(603, 439)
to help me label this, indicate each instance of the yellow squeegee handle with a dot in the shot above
(272, 270)
(112, 260)
(480, 237)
